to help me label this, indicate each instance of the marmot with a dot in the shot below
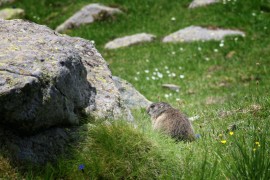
(171, 121)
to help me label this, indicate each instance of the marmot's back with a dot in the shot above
(170, 121)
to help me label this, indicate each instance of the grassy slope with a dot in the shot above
(237, 83)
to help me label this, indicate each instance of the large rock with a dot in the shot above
(87, 15)
(196, 33)
(131, 97)
(129, 40)
(198, 3)
(11, 13)
(46, 81)
(42, 77)
(39, 148)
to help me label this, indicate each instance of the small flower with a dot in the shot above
(146, 71)
(206, 58)
(221, 45)
(173, 18)
(181, 49)
(173, 74)
(138, 72)
(166, 95)
(199, 48)
(93, 42)
(166, 67)
(223, 141)
(215, 50)
(147, 78)
(153, 77)
(147, 60)
(220, 135)
(173, 53)
(156, 69)
(81, 167)
(182, 76)
(253, 14)
(231, 133)
(254, 149)
(160, 75)
(168, 72)
(136, 79)
(180, 67)
(257, 143)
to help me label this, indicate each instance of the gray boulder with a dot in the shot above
(11, 13)
(47, 80)
(129, 40)
(131, 97)
(196, 33)
(198, 3)
(42, 77)
(87, 15)
(41, 147)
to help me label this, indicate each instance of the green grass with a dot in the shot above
(221, 90)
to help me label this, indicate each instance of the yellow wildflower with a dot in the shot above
(220, 135)
(257, 143)
(254, 149)
(223, 141)
(231, 133)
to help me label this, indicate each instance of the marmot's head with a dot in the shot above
(156, 109)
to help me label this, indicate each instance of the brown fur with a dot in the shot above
(171, 121)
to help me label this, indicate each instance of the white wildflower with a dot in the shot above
(182, 76)
(194, 118)
(146, 71)
(160, 75)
